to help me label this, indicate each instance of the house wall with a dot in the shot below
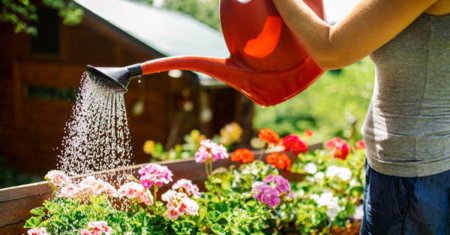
(32, 121)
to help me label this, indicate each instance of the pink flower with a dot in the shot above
(57, 178)
(294, 144)
(37, 231)
(92, 186)
(178, 204)
(68, 191)
(135, 191)
(266, 194)
(281, 184)
(154, 174)
(209, 149)
(272, 190)
(97, 228)
(186, 186)
(339, 148)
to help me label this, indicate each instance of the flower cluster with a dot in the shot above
(295, 144)
(210, 150)
(243, 155)
(279, 160)
(343, 173)
(92, 186)
(331, 202)
(135, 192)
(97, 228)
(271, 190)
(37, 231)
(155, 175)
(57, 178)
(187, 187)
(340, 148)
(230, 134)
(63, 187)
(178, 204)
(269, 136)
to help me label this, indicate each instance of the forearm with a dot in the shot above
(371, 24)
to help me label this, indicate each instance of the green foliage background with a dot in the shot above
(335, 105)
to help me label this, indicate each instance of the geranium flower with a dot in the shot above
(68, 191)
(342, 172)
(272, 190)
(339, 148)
(154, 174)
(332, 203)
(310, 168)
(97, 228)
(136, 192)
(294, 144)
(279, 160)
(243, 155)
(92, 186)
(360, 145)
(37, 231)
(209, 149)
(57, 178)
(281, 184)
(187, 187)
(269, 136)
(266, 194)
(178, 204)
(230, 134)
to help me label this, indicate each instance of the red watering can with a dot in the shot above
(267, 63)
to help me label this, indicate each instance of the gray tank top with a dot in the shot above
(407, 128)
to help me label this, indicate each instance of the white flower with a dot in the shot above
(332, 203)
(342, 172)
(359, 213)
(310, 168)
(319, 176)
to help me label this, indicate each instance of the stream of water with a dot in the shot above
(96, 137)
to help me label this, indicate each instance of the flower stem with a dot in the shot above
(155, 191)
(210, 166)
(206, 168)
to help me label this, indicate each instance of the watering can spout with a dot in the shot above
(262, 87)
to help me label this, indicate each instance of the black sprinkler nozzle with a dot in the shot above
(116, 78)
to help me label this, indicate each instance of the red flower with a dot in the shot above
(360, 145)
(279, 160)
(243, 155)
(269, 136)
(294, 144)
(339, 148)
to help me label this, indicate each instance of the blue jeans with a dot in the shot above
(406, 205)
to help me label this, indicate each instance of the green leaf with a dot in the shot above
(33, 222)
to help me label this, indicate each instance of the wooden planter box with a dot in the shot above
(16, 202)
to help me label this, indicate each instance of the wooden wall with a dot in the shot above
(31, 128)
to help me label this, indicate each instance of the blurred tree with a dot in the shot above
(23, 13)
(335, 105)
(206, 11)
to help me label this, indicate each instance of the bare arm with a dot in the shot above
(371, 24)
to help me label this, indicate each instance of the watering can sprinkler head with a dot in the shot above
(116, 78)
